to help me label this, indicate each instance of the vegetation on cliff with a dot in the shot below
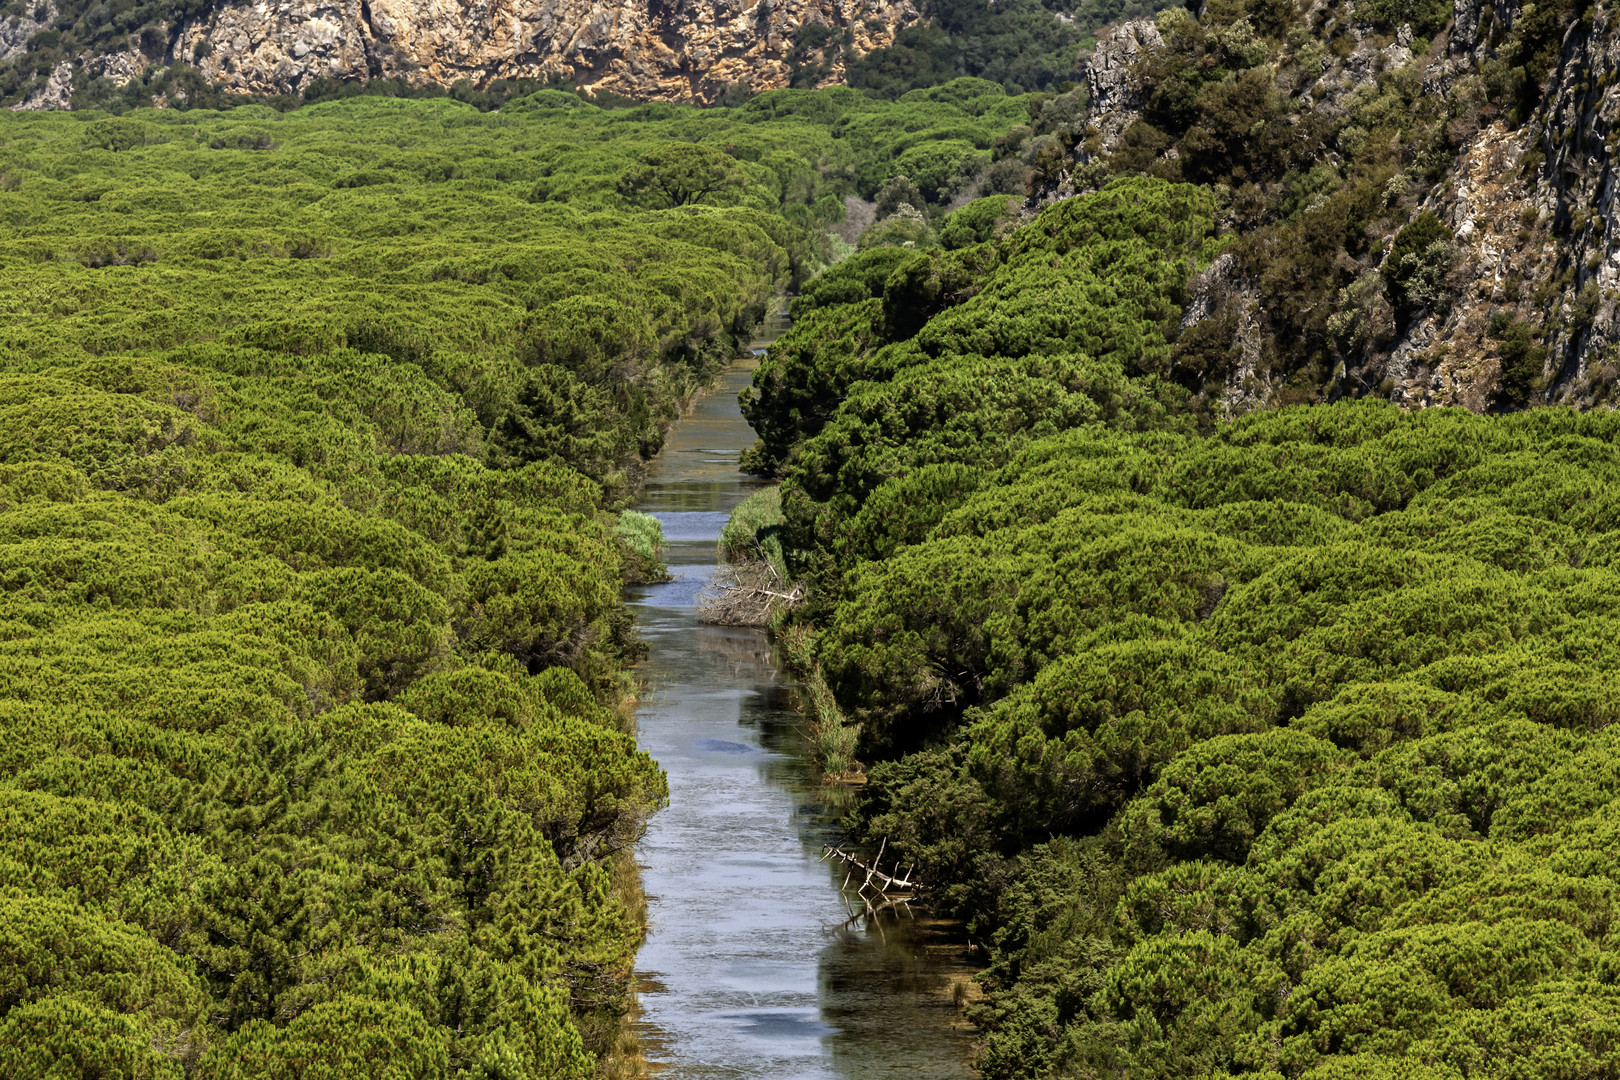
(1025, 45)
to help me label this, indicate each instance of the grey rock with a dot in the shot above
(15, 31)
(1116, 91)
(57, 93)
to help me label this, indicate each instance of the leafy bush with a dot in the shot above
(979, 221)
(1019, 45)
(907, 227)
(1425, 17)
(898, 192)
(1523, 362)
(1416, 258)
(679, 175)
(117, 134)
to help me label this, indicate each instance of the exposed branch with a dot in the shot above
(745, 594)
(881, 883)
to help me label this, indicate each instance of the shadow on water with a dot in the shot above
(751, 969)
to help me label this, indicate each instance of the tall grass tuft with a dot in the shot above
(832, 736)
(642, 538)
(754, 532)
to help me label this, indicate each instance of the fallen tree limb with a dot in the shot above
(881, 883)
(744, 594)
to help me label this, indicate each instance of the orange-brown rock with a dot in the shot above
(661, 50)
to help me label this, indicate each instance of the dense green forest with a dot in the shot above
(1025, 45)
(1274, 747)
(317, 426)
(1281, 748)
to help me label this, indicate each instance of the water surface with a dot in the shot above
(752, 967)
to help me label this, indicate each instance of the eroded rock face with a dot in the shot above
(57, 93)
(1577, 195)
(1501, 242)
(1116, 89)
(1540, 244)
(1473, 24)
(15, 31)
(120, 67)
(1220, 289)
(661, 50)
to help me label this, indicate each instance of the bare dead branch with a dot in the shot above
(744, 594)
(885, 883)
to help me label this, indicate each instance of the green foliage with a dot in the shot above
(1280, 752)
(346, 1037)
(1523, 362)
(117, 134)
(936, 166)
(970, 356)
(1310, 193)
(71, 1037)
(1417, 252)
(754, 531)
(1526, 54)
(807, 371)
(1261, 848)
(898, 192)
(859, 277)
(979, 221)
(679, 174)
(1021, 45)
(643, 539)
(1425, 17)
(311, 556)
(905, 228)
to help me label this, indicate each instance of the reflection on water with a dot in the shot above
(750, 969)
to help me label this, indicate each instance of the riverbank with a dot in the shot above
(753, 966)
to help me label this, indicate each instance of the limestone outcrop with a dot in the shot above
(1116, 89)
(659, 50)
(57, 93)
(16, 31)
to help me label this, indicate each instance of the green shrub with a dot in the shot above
(979, 221)
(1418, 260)
(1426, 17)
(905, 228)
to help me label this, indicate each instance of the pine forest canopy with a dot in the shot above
(1285, 750)
(1276, 747)
(316, 426)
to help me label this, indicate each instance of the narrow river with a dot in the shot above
(750, 969)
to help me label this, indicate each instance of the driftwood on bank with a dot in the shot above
(745, 594)
(878, 890)
(875, 877)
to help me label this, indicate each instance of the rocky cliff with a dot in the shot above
(1533, 214)
(1426, 214)
(659, 50)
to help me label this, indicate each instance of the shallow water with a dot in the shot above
(752, 967)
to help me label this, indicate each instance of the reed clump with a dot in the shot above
(832, 736)
(752, 586)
